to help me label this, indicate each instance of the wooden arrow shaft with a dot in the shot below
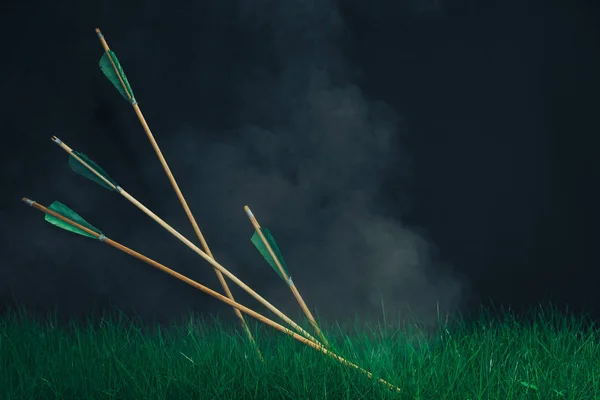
(285, 276)
(182, 200)
(210, 292)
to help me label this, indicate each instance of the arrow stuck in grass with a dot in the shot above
(267, 247)
(111, 68)
(63, 217)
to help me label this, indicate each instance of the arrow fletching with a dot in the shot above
(111, 68)
(66, 212)
(262, 249)
(84, 171)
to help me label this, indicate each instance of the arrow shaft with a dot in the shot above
(290, 283)
(182, 200)
(308, 314)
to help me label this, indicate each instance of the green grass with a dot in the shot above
(551, 356)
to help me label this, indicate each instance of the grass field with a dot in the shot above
(548, 357)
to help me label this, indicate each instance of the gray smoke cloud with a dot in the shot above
(310, 161)
(307, 150)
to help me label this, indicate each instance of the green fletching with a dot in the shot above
(262, 249)
(66, 212)
(86, 173)
(113, 75)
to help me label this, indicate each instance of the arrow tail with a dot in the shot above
(111, 68)
(81, 169)
(66, 212)
(264, 251)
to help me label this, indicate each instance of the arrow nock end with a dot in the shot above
(56, 140)
(248, 212)
(100, 35)
(28, 201)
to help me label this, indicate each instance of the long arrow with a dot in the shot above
(266, 245)
(87, 168)
(110, 66)
(63, 217)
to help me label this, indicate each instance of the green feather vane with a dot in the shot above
(262, 249)
(66, 212)
(84, 171)
(116, 75)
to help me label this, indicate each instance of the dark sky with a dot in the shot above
(419, 152)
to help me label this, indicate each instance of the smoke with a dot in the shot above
(310, 161)
(306, 149)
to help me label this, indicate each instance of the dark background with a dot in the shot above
(419, 153)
